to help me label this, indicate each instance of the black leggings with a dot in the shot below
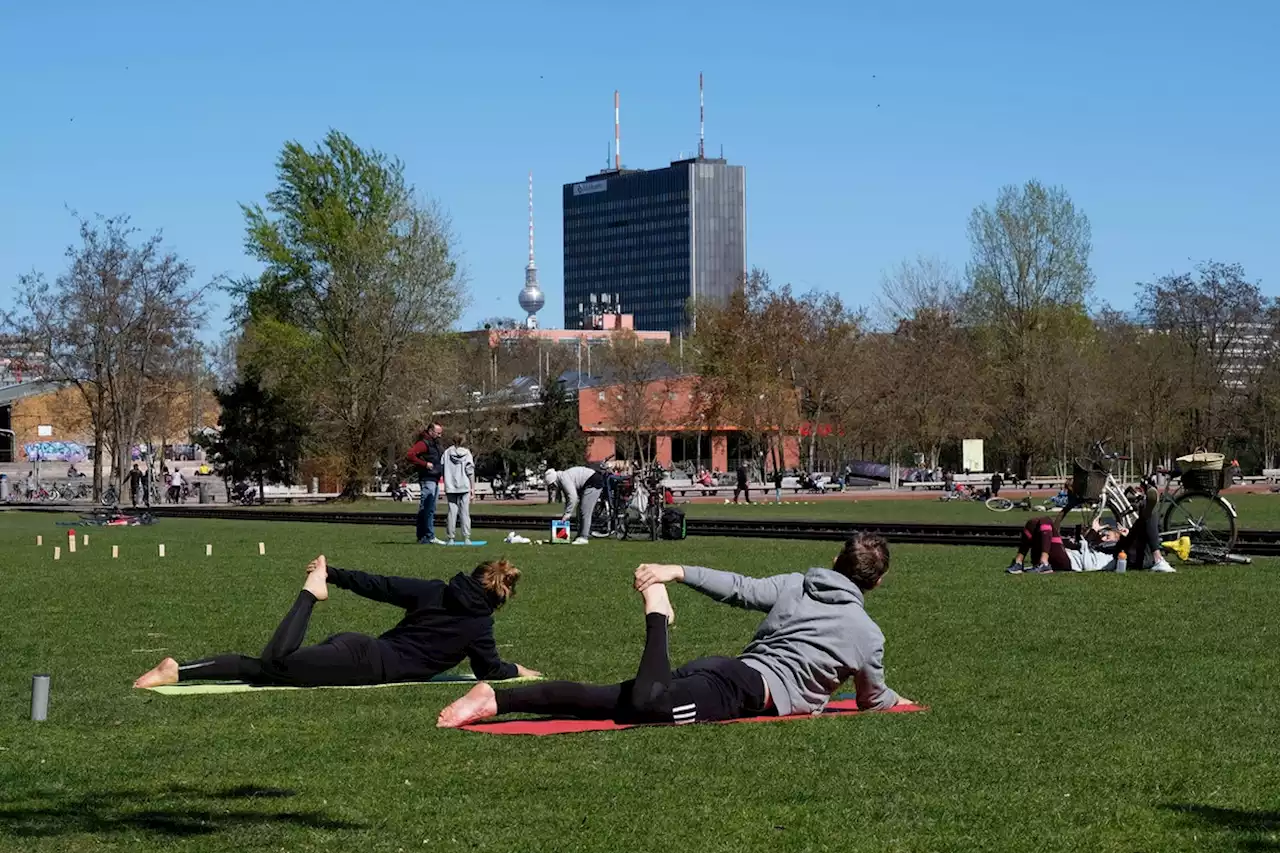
(341, 659)
(1144, 537)
(706, 689)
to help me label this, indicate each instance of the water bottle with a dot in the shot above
(1121, 561)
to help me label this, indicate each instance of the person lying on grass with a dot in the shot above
(442, 624)
(816, 636)
(1097, 550)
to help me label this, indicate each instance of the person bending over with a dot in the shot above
(575, 481)
(443, 623)
(816, 636)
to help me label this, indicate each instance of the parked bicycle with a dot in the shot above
(630, 506)
(1029, 503)
(1193, 508)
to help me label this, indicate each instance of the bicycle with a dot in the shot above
(997, 504)
(1194, 510)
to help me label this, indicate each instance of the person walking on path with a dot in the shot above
(426, 455)
(742, 484)
(135, 483)
(459, 486)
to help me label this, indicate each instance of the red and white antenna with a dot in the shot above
(617, 134)
(701, 117)
(531, 219)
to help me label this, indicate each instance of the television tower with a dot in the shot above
(531, 298)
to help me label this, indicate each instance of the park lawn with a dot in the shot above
(1257, 511)
(1067, 713)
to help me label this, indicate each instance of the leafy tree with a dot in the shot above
(360, 281)
(260, 434)
(552, 432)
(1029, 278)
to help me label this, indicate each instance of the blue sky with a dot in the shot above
(869, 131)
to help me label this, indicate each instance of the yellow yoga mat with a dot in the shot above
(204, 688)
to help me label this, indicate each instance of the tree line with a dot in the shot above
(344, 345)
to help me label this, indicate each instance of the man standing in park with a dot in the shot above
(426, 455)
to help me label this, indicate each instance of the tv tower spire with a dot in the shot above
(702, 121)
(531, 298)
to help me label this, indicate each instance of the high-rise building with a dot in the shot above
(654, 243)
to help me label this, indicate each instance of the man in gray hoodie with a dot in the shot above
(459, 485)
(817, 635)
(580, 479)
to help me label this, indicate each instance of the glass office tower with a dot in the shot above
(654, 243)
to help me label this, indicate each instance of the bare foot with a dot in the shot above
(656, 600)
(479, 703)
(317, 579)
(165, 672)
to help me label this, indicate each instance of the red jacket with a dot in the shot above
(425, 455)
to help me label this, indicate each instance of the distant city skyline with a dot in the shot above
(869, 139)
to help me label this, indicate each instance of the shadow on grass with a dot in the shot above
(173, 812)
(1250, 826)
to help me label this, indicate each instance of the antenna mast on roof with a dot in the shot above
(617, 134)
(702, 120)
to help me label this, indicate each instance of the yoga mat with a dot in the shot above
(473, 543)
(556, 726)
(204, 688)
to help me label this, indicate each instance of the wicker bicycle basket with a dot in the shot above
(1088, 479)
(1205, 480)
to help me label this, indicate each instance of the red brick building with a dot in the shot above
(677, 432)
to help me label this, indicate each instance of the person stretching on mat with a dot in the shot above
(816, 636)
(443, 623)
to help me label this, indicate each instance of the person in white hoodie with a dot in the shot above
(459, 485)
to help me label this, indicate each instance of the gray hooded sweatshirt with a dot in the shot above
(816, 636)
(459, 470)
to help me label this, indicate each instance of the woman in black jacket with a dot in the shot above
(443, 623)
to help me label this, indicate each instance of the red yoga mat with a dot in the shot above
(559, 726)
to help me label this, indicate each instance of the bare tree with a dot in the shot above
(109, 325)
(1220, 319)
(638, 390)
(926, 284)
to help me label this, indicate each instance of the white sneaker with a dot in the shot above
(1164, 568)
(581, 540)
(466, 541)
(437, 541)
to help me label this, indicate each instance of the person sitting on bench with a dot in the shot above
(444, 622)
(816, 636)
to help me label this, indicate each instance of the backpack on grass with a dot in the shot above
(671, 524)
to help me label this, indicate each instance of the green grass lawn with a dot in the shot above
(1257, 511)
(1099, 713)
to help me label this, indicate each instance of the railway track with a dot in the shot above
(1259, 543)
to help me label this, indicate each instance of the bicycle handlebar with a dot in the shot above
(1101, 447)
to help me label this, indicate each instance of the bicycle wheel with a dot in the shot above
(1207, 520)
(999, 504)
